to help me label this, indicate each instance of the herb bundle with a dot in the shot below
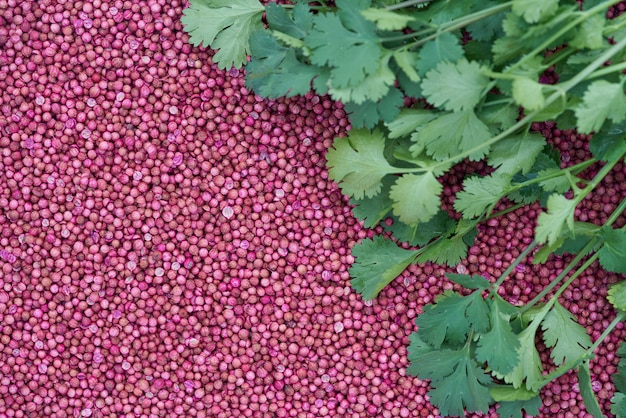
(427, 86)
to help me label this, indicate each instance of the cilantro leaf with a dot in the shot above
(407, 61)
(422, 233)
(486, 29)
(469, 282)
(448, 251)
(590, 33)
(535, 10)
(387, 20)
(368, 113)
(224, 25)
(559, 184)
(529, 368)
(561, 332)
(455, 86)
(450, 133)
(499, 118)
(346, 42)
(297, 25)
(357, 163)
(479, 193)
(416, 197)
(445, 47)
(465, 388)
(275, 71)
(586, 391)
(618, 401)
(528, 94)
(514, 409)
(612, 255)
(609, 144)
(560, 213)
(498, 347)
(372, 210)
(516, 153)
(378, 262)
(451, 317)
(408, 121)
(617, 295)
(602, 100)
(506, 393)
(372, 87)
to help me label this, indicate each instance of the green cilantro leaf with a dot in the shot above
(560, 184)
(469, 282)
(422, 233)
(617, 295)
(387, 20)
(224, 25)
(479, 193)
(369, 113)
(514, 409)
(346, 42)
(297, 25)
(586, 391)
(612, 255)
(451, 317)
(407, 61)
(528, 94)
(372, 87)
(498, 347)
(516, 153)
(507, 393)
(560, 213)
(378, 262)
(449, 251)
(466, 388)
(529, 369)
(535, 10)
(618, 401)
(416, 349)
(416, 197)
(275, 71)
(561, 332)
(445, 47)
(408, 121)
(486, 29)
(450, 133)
(590, 33)
(499, 117)
(609, 144)
(357, 163)
(602, 100)
(455, 86)
(372, 210)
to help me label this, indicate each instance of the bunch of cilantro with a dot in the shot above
(471, 72)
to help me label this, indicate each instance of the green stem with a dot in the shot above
(451, 26)
(581, 18)
(505, 211)
(616, 213)
(597, 179)
(573, 169)
(404, 4)
(607, 70)
(560, 277)
(509, 269)
(561, 370)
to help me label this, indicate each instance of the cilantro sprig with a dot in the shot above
(472, 73)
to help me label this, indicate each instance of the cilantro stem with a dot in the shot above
(546, 44)
(505, 211)
(616, 213)
(560, 276)
(451, 26)
(404, 4)
(573, 169)
(494, 287)
(607, 70)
